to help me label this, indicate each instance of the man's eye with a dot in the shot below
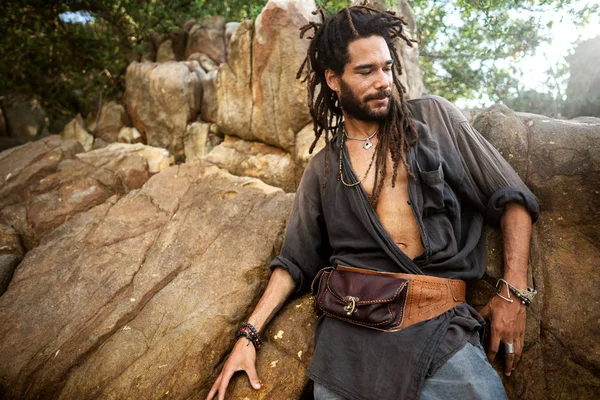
(364, 72)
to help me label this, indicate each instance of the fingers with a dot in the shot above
(494, 344)
(509, 360)
(253, 377)
(485, 312)
(214, 387)
(227, 374)
(519, 345)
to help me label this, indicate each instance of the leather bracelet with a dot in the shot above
(248, 331)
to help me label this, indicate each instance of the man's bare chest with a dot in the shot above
(393, 207)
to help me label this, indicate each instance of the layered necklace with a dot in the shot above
(367, 140)
(366, 146)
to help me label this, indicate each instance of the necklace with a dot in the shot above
(341, 177)
(368, 144)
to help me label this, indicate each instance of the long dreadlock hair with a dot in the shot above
(329, 50)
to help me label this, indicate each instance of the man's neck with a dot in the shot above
(356, 128)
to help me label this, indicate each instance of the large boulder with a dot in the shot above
(208, 37)
(24, 166)
(279, 100)
(25, 118)
(75, 130)
(233, 85)
(113, 118)
(74, 185)
(208, 110)
(258, 94)
(304, 139)
(560, 162)
(244, 158)
(165, 52)
(230, 27)
(161, 99)
(199, 140)
(139, 297)
(11, 254)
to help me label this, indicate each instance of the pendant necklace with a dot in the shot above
(341, 175)
(368, 144)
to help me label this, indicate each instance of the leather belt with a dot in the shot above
(383, 300)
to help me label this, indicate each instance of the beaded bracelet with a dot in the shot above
(248, 331)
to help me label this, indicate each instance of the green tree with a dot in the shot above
(70, 66)
(469, 49)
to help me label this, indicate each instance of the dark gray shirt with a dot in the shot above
(462, 182)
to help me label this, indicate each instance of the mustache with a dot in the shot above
(383, 94)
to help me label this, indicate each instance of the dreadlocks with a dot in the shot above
(328, 49)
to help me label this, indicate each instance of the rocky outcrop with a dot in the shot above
(208, 110)
(560, 162)
(11, 254)
(304, 140)
(165, 52)
(162, 99)
(258, 94)
(283, 361)
(199, 140)
(244, 158)
(25, 119)
(143, 290)
(50, 188)
(234, 93)
(75, 130)
(113, 118)
(208, 38)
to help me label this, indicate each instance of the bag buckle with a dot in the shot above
(350, 306)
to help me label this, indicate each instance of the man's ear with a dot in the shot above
(333, 80)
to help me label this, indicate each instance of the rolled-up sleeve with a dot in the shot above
(486, 174)
(496, 181)
(306, 248)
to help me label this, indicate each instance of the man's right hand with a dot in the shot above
(242, 358)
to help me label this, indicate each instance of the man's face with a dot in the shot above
(364, 89)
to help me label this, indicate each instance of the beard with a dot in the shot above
(359, 109)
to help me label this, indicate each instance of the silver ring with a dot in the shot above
(509, 348)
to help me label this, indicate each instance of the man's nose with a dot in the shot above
(382, 79)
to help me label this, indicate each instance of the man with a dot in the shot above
(400, 187)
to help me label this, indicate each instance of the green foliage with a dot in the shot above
(469, 49)
(71, 66)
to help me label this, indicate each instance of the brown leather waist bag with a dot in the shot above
(382, 300)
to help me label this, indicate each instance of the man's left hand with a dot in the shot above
(507, 326)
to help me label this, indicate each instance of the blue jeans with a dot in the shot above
(466, 375)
